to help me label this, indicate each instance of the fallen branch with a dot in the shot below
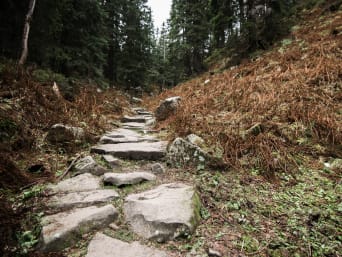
(69, 167)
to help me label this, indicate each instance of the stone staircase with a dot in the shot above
(81, 204)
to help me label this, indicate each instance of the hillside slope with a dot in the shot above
(290, 96)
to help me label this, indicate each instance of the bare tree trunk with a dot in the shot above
(26, 32)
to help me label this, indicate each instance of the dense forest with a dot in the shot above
(115, 41)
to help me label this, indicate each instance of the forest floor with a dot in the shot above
(281, 192)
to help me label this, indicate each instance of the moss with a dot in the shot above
(196, 204)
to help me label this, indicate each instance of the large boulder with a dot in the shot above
(105, 246)
(167, 108)
(164, 213)
(59, 134)
(63, 229)
(89, 165)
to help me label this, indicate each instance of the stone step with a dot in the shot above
(69, 201)
(138, 119)
(164, 213)
(133, 125)
(64, 229)
(134, 151)
(123, 179)
(80, 183)
(130, 139)
(105, 246)
(121, 133)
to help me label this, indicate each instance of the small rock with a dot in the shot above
(80, 183)
(194, 139)
(164, 213)
(157, 168)
(150, 122)
(136, 100)
(105, 246)
(255, 130)
(336, 165)
(122, 179)
(213, 253)
(182, 153)
(60, 133)
(113, 226)
(111, 160)
(207, 82)
(89, 165)
(167, 108)
(63, 229)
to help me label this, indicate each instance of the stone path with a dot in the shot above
(80, 204)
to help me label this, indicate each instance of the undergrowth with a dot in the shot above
(270, 112)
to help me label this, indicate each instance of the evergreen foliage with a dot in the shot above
(115, 39)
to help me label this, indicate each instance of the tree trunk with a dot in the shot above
(26, 32)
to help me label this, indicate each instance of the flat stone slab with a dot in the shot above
(81, 199)
(132, 178)
(164, 213)
(105, 246)
(80, 183)
(128, 139)
(134, 125)
(64, 229)
(138, 119)
(134, 151)
(121, 132)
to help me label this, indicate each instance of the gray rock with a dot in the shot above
(336, 164)
(111, 160)
(139, 119)
(105, 246)
(164, 213)
(182, 153)
(89, 165)
(122, 133)
(150, 122)
(122, 179)
(157, 168)
(80, 183)
(194, 139)
(136, 100)
(167, 108)
(118, 140)
(135, 151)
(63, 229)
(81, 199)
(213, 253)
(60, 133)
